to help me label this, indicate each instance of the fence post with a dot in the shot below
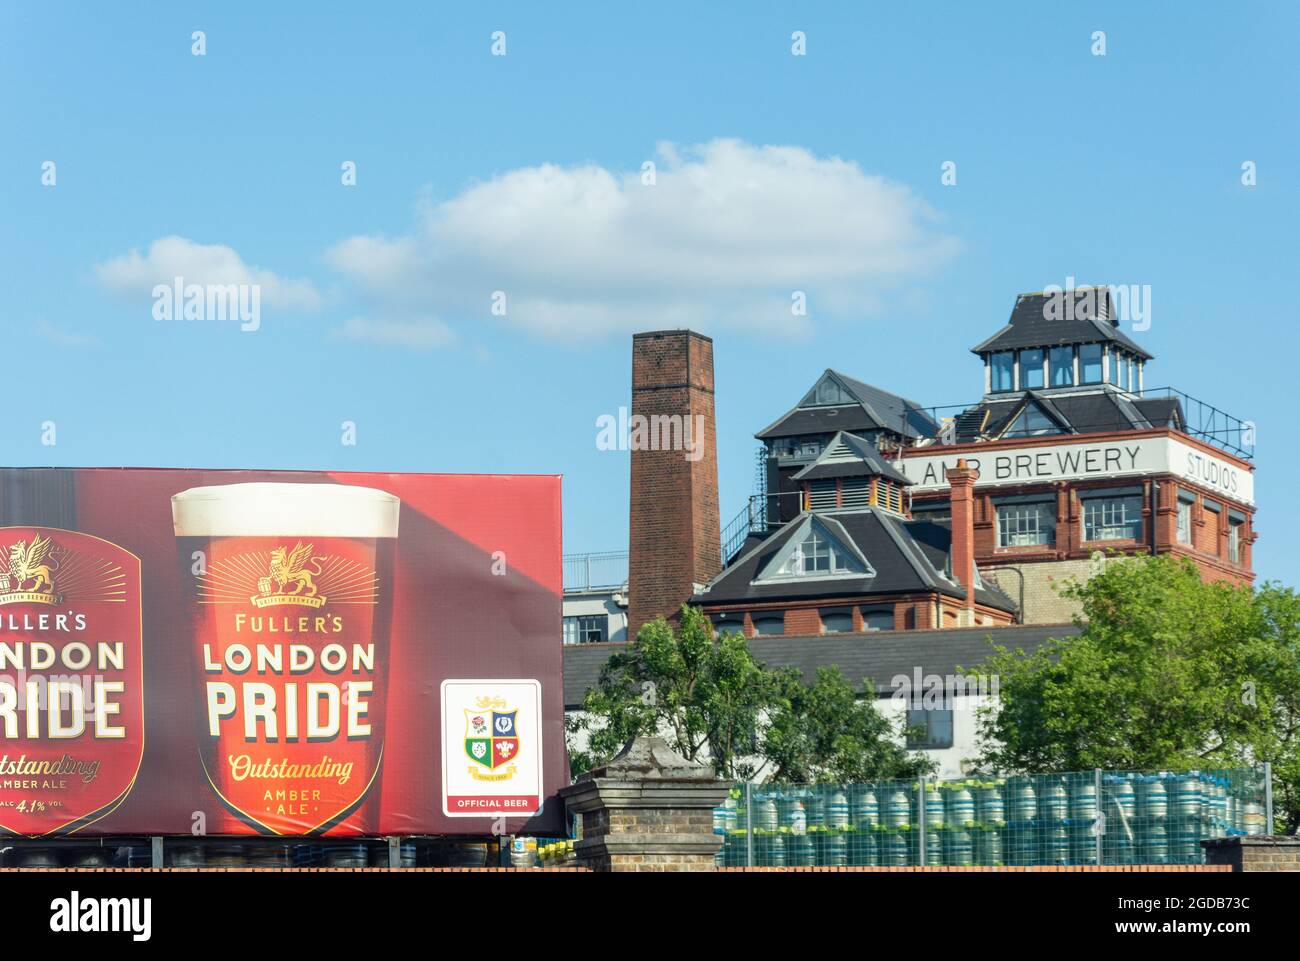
(156, 852)
(648, 809)
(920, 817)
(1268, 798)
(749, 824)
(1101, 813)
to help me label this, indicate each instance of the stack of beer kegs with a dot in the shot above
(1083, 820)
(1020, 844)
(1119, 806)
(1152, 818)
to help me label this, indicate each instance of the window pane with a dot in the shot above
(586, 629)
(1090, 364)
(1002, 371)
(1234, 542)
(1031, 369)
(878, 620)
(1184, 522)
(837, 622)
(1062, 362)
(1032, 423)
(816, 554)
(937, 724)
(1026, 525)
(769, 625)
(1112, 519)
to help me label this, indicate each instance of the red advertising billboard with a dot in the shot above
(279, 653)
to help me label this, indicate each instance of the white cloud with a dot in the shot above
(724, 237)
(415, 335)
(65, 338)
(169, 257)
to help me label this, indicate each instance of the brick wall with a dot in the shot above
(674, 539)
(1043, 604)
(1256, 853)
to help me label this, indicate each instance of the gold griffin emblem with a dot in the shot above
(27, 563)
(289, 567)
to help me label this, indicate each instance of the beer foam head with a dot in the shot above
(274, 510)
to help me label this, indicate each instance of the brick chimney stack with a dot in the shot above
(961, 480)
(674, 535)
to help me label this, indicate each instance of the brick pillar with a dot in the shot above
(961, 480)
(1259, 852)
(674, 537)
(647, 810)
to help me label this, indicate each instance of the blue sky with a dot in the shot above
(520, 173)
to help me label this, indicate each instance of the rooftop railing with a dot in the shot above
(759, 516)
(1199, 419)
(592, 572)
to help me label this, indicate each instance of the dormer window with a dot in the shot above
(1002, 371)
(827, 393)
(1061, 364)
(814, 552)
(1090, 363)
(818, 554)
(1032, 422)
(1031, 370)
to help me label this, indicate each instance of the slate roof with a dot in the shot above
(1102, 410)
(907, 556)
(876, 410)
(1093, 321)
(1162, 411)
(848, 455)
(819, 420)
(878, 655)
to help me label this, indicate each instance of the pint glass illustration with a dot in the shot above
(290, 601)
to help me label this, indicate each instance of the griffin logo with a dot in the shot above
(286, 575)
(289, 567)
(28, 577)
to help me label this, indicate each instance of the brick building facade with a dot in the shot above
(1068, 459)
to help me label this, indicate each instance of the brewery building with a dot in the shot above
(889, 537)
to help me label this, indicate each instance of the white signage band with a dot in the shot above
(1127, 459)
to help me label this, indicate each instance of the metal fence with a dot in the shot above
(1080, 818)
(587, 572)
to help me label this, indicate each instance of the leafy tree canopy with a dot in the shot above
(712, 701)
(1169, 673)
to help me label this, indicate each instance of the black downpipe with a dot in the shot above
(1155, 506)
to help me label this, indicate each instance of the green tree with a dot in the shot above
(1169, 672)
(713, 701)
(824, 732)
(705, 698)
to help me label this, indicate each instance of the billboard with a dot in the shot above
(279, 653)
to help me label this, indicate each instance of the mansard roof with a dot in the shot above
(1082, 315)
(1098, 411)
(839, 402)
